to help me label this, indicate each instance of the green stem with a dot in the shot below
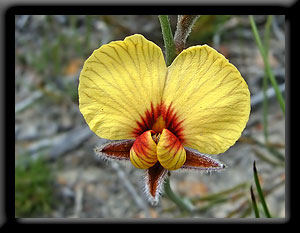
(181, 203)
(260, 192)
(267, 64)
(168, 39)
(265, 79)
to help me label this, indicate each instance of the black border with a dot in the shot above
(9, 60)
(128, 9)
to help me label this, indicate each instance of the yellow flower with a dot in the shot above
(157, 113)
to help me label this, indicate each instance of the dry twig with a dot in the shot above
(129, 187)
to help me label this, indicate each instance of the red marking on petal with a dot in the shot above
(143, 151)
(170, 118)
(170, 151)
(147, 121)
(142, 144)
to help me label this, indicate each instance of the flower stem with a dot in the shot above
(267, 64)
(183, 29)
(180, 202)
(168, 39)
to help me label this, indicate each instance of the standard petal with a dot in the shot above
(143, 151)
(119, 149)
(170, 151)
(119, 83)
(209, 97)
(198, 161)
(153, 181)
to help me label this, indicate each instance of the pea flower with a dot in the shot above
(160, 118)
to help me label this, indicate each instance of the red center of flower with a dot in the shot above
(158, 118)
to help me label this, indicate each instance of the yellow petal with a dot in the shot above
(143, 151)
(209, 97)
(118, 84)
(170, 152)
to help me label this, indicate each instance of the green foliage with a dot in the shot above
(260, 194)
(254, 204)
(33, 189)
(268, 69)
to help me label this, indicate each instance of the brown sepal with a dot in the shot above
(119, 149)
(198, 161)
(154, 181)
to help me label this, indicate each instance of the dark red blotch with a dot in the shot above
(172, 122)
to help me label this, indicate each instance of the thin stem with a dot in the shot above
(260, 192)
(168, 39)
(267, 64)
(183, 29)
(265, 79)
(176, 199)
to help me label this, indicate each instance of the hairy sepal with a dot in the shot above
(201, 162)
(154, 182)
(115, 150)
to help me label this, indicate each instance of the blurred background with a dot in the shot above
(57, 174)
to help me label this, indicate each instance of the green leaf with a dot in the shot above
(268, 69)
(256, 212)
(260, 192)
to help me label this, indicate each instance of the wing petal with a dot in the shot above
(210, 99)
(119, 82)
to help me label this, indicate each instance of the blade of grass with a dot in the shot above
(256, 212)
(270, 147)
(260, 193)
(246, 206)
(266, 159)
(168, 39)
(265, 79)
(268, 69)
(220, 194)
(211, 204)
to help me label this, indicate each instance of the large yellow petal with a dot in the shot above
(209, 100)
(118, 84)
